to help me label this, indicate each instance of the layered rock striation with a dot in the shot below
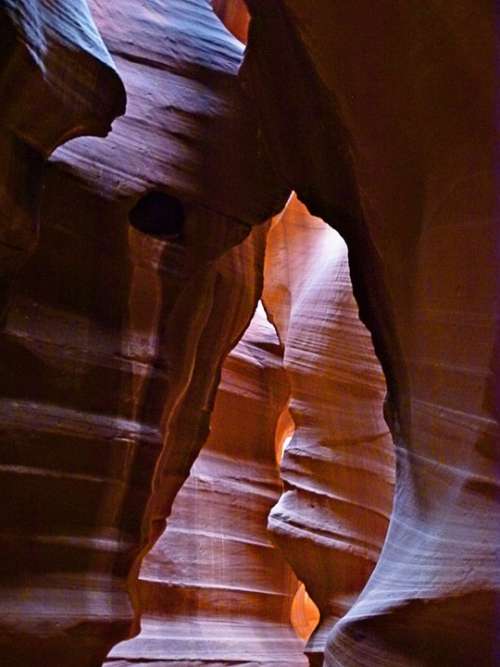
(214, 590)
(148, 270)
(338, 467)
(234, 14)
(113, 324)
(388, 137)
(57, 81)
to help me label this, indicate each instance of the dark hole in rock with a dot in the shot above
(158, 214)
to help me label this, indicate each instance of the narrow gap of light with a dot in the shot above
(235, 17)
(285, 429)
(304, 614)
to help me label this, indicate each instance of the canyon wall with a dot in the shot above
(57, 81)
(112, 324)
(214, 590)
(338, 468)
(234, 15)
(131, 265)
(381, 119)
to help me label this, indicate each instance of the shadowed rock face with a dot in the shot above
(388, 137)
(109, 328)
(148, 270)
(57, 78)
(57, 81)
(338, 468)
(213, 590)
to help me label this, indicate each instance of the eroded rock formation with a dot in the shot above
(338, 468)
(381, 119)
(57, 81)
(213, 589)
(110, 328)
(203, 597)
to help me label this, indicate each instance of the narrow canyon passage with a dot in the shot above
(249, 334)
(214, 590)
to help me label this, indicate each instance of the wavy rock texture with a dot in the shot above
(338, 468)
(388, 137)
(57, 81)
(214, 590)
(110, 328)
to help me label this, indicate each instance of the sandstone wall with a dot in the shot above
(381, 119)
(214, 590)
(148, 269)
(57, 81)
(338, 468)
(111, 324)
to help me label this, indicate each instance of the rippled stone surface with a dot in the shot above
(338, 468)
(381, 120)
(214, 590)
(57, 81)
(109, 328)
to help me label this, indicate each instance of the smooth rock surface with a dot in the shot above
(234, 14)
(381, 118)
(214, 590)
(57, 81)
(338, 467)
(110, 327)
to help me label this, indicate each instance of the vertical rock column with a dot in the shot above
(214, 590)
(338, 468)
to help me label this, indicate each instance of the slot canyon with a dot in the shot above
(249, 334)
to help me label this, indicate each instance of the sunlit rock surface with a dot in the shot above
(214, 590)
(234, 14)
(381, 118)
(338, 468)
(109, 328)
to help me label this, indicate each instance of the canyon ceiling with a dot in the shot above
(249, 341)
